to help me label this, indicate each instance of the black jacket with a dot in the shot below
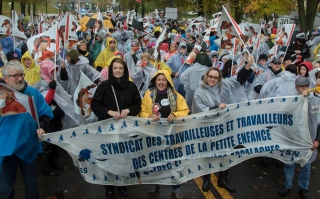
(104, 100)
(304, 48)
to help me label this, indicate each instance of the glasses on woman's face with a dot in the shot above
(213, 77)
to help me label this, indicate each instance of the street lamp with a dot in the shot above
(59, 7)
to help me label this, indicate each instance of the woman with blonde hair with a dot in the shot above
(212, 94)
(82, 47)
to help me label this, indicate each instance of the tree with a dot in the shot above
(263, 8)
(307, 15)
(34, 8)
(12, 4)
(102, 4)
(29, 7)
(23, 6)
(1, 7)
(239, 7)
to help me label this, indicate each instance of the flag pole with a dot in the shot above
(37, 117)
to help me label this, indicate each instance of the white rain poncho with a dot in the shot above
(232, 91)
(313, 45)
(280, 53)
(176, 65)
(282, 86)
(118, 37)
(73, 71)
(63, 99)
(191, 79)
(312, 77)
(313, 120)
(142, 77)
(263, 49)
(127, 45)
(207, 97)
(129, 60)
(261, 80)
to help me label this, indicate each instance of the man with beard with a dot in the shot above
(13, 76)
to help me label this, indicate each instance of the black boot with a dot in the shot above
(223, 181)
(56, 165)
(206, 183)
(55, 155)
(109, 191)
(123, 191)
(47, 166)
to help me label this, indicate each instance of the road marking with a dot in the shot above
(223, 192)
(208, 194)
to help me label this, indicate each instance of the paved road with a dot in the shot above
(251, 180)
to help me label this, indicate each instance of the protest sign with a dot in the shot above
(171, 13)
(83, 96)
(133, 150)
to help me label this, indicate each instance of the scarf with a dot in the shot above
(84, 53)
(172, 97)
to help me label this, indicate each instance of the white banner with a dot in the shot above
(120, 152)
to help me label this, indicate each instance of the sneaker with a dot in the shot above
(304, 194)
(284, 191)
(152, 188)
(178, 193)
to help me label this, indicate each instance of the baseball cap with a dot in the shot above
(276, 61)
(12, 55)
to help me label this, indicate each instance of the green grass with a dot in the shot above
(6, 10)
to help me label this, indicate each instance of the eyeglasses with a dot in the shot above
(212, 77)
(16, 76)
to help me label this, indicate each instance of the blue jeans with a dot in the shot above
(8, 177)
(304, 176)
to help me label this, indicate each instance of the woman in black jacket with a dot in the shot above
(116, 98)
